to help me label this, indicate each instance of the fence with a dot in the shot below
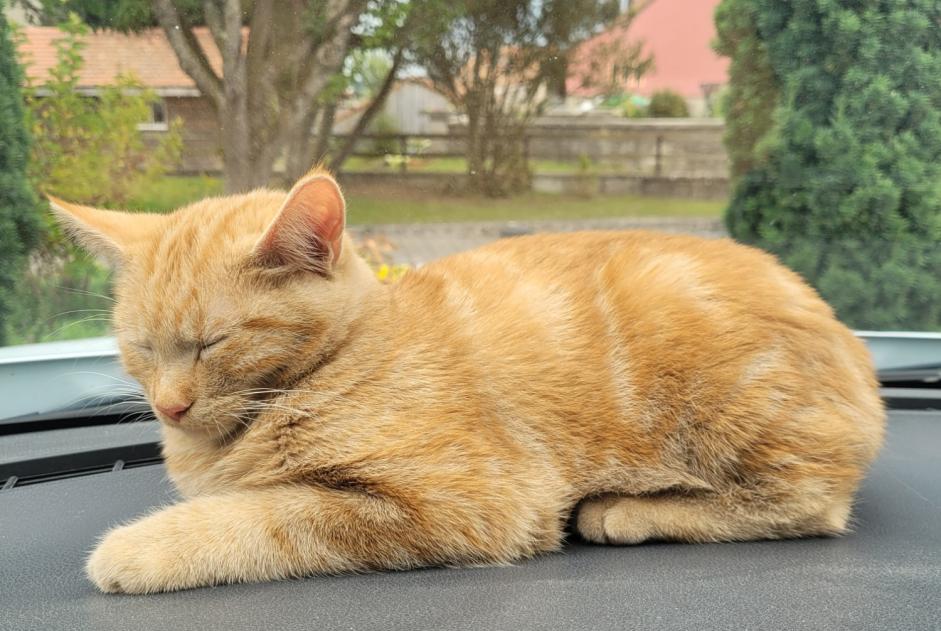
(658, 149)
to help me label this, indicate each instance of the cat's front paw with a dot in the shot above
(135, 560)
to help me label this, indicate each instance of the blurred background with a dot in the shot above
(810, 128)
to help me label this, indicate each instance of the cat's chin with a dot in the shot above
(204, 427)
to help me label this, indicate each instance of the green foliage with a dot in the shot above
(366, 70)
(86, 150)
(845, 187)
(613, 64)
(493, 61)
(122, 15)
(667, 104)
(19, 226)
(90, 149)
(749, 100)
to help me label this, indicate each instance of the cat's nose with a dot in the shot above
(174, 411)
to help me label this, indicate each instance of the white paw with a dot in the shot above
(134, 560)
(610, 519)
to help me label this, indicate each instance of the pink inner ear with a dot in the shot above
(308, 232)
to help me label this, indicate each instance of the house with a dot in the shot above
(678, 34)
(413, 107)
(146, 55)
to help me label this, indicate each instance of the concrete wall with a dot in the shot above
(649, 155)
(642, 185)
(560, 184)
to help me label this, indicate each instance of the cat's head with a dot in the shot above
(225, 299)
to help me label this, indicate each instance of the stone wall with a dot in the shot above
(689, 148)
(557, 183)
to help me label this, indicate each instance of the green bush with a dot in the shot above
(845, 186)
(667, 104)
(19, 225)
(86, 150)
(748, 102)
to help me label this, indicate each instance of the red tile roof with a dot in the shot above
(679, 33)
(107, 54)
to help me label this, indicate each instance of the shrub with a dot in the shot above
(87, 150)
(19, 225)
(845, 187)
(747, 103)
(667, 104)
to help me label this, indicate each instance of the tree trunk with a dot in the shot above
(302, 150)
(474, 146)
(324, 133)
(374, 107)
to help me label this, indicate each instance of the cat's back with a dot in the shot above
(703, 278)
(678, 322)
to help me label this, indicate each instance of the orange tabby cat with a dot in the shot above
(315, 420)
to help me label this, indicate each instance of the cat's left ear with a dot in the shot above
(307, 233)
(109, 234)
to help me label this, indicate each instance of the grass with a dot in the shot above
(169, 193)
(376, 206)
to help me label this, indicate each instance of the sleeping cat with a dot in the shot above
(317, 421)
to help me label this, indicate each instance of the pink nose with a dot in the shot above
(173, 410)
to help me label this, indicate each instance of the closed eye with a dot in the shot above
(205, 346)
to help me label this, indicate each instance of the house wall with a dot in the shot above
(202, 152)
(412, 107)
(409, 106)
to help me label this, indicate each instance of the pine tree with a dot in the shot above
(19, 222)
(846, 185)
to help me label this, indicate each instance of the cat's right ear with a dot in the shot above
(107, 234)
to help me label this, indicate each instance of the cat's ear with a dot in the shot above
(108, 234)
(307, 232)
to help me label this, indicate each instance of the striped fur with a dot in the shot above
(663, 387)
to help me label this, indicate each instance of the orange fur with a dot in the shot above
(664, 387)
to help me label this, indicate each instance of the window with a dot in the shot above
(158, 119)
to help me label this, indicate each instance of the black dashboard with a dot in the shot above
(885, 575)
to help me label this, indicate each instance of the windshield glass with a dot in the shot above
(810, 130)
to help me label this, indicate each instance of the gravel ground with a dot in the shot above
(416, 244)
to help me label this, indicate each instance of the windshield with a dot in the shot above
(810, 130)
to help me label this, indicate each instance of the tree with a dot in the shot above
(607, 65)
(494, 59)
(845, 186)
(90, 150)
(86, 149)
(753, 89)
(280, 63)
(283, 68)
(19, 225)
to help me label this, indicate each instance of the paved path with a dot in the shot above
(415, 244)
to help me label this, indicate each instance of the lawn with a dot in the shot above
(374, 206)
(169, 193)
